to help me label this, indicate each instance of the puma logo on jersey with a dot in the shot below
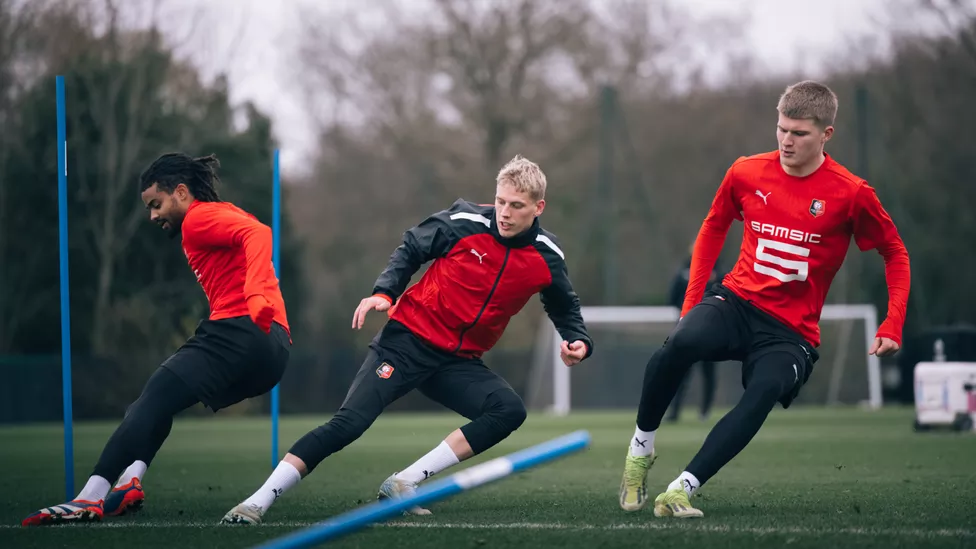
(763, 196)
(479, 256)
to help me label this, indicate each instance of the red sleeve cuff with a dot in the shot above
(891, 336)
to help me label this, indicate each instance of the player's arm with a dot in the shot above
(562, 305)
(874, 230)
(231, 229)
(429, 240)
(711, 238)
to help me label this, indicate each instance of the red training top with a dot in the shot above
(797, 233)
(230, 252)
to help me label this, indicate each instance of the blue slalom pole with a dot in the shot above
(459, 482)
(69, 450)
(276, 259)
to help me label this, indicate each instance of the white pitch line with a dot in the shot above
(656, 525)
(690, 526)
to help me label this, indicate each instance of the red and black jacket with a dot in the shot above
(478, 281)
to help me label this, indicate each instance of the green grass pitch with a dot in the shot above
(812, 478)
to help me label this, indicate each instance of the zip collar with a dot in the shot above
(526, 238)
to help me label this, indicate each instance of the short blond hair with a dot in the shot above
(525, 176)
(809, 100)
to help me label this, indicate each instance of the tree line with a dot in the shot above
(608, 99)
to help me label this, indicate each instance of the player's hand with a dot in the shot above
(883, 346)
(572, 353)
(261, 311)
(379, 303)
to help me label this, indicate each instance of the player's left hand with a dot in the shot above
(572, 353)
(261, 312)
(883, 346)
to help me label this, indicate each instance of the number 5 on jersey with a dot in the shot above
(802, 268)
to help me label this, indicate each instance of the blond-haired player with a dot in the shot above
(488, 261)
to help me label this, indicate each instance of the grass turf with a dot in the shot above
(811, 478)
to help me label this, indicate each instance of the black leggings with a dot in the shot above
(774, 370)
(465, 386)
(700, 336)
(708, 391)
(772, 378)
(146, 425)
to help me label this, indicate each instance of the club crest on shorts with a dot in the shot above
(817, 207)
(384, 371)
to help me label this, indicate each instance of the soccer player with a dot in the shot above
(240, 352)
(800, 209)
(488, 261)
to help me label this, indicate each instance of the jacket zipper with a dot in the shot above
(485, 304)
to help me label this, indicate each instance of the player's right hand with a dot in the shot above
(572, 353)
(377, 302)
(261, 311)
(883, 346)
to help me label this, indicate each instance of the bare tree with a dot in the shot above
(20, 33)
(418, 107)
(955, 17)
(115, 102)
(131, 71)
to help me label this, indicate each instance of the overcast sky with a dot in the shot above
(782, 36)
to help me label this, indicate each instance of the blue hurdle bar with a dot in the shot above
(276, 259)
(69, 450)
(459, 482)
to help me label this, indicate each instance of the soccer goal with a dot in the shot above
(625, 338)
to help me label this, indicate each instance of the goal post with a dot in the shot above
(561, 378)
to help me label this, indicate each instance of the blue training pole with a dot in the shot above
(276, 259)
(464, 480)
(69, 451)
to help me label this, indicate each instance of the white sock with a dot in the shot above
(642, 445)
(687, 481)
(282, 478)
(435, 461)
(95, 490)
(136, 470)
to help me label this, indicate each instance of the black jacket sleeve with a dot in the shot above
(432, 238)
(562, 304)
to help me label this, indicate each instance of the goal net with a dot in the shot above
(626, 337)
